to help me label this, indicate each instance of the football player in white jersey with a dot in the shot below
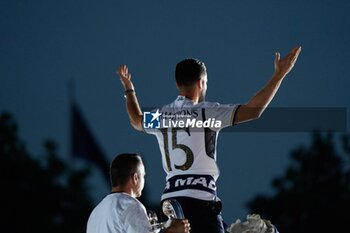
(120, 211)
(187, 130)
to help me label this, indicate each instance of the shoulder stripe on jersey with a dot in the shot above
(234, 115)
(209, 139)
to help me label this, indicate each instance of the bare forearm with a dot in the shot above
(134, 111)
(132, 104)
(259, 102)
(256, 105)
(263, 98)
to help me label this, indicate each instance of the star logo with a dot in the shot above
(156, 115)
(151, 119)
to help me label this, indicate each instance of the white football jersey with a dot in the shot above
(187, 136)
(118, 213)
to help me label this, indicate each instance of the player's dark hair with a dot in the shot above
(188, 71)
(122, 168)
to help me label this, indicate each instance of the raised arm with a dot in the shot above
(132, 104)
(256, 105)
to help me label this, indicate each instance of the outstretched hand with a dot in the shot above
(179, 226)
(125, 77)
(284, 66)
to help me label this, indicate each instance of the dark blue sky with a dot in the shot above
(45, 44)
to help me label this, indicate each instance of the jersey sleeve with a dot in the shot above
(225, 113)
(136, 220)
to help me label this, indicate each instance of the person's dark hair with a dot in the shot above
(122, 167)
(188, 71)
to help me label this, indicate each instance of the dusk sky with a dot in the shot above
(44, 45)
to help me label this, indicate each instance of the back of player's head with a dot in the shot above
(188, 71)
(123, 167)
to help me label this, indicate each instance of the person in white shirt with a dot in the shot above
(187, 131)
(120, 211)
